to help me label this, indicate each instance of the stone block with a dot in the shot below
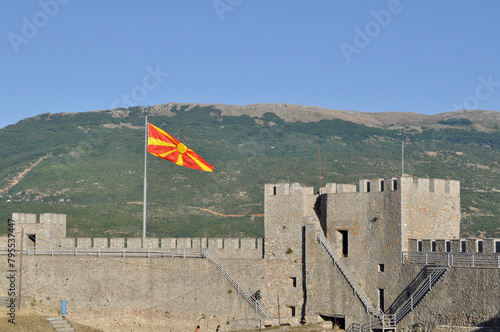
(423, 184)
(214, 243)
(471, 246)
(151, 243)
(100, 242)
(118, 242)
(455, 245)
(134, 243)
(184, 243)
(53, 218)
(68, 242)
(169, 243)
(488, 246)
(24, 218)
(84, 242)
(436, 185)
(260, 243)
(231, 243)
(330, 188)
(247, 244)
(426, 246)
(440, 245)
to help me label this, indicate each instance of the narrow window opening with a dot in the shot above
(274, 190)
(463, 245)
(419, 246)
(448, 246)
(293, 280)
(395, 184)
(480, 246)
(434, 246)
(368, 187)
(291, 310)
(381, 268)
(381, 300)
(31, 240)
(382, 184)
(345, 242)
(497, 246)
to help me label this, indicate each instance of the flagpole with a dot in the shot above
(145, 183)
(403, 157)
(320, 177)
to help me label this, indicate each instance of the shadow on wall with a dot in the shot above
(410, 289)
(490, 325)
(319, 209)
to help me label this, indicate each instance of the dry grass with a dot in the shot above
(28, 321)
(24, 322)
(82, 328)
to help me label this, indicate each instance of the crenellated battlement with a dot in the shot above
(392, 184)
(45, 218)
(165, 243)
(50, 231)
(334, 188)
(223, 247)
(434, 185)
(287, 189)
(379, 185)
(481, 246)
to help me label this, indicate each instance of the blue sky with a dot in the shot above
(370, 56)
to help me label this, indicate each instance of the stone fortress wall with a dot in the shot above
(116, 283)
(49, 230)
(369, 225)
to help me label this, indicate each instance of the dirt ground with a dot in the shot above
(31, 319)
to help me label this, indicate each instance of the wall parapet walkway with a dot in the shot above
(477, 246)
(222, 247)
(469, 260)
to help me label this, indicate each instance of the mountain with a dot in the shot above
(91, 165)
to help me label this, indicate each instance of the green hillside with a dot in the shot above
(95, 166)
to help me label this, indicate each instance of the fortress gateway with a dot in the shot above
(382, 255)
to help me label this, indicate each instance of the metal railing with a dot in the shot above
(107, 252)
(148, 253)
(238, 286)
(453, 259)
(373, 322)
(371, 308)
(421, 291)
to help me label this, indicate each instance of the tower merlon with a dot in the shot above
(334, 188)
(287, 189)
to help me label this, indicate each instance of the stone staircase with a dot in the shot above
(417, 292)
(59, 324)
(376, 318)
(370, 307)
(237, 285)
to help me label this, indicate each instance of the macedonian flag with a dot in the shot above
(165, 146)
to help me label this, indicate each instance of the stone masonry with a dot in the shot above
(369, 226)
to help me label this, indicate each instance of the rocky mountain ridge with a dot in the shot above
(480, 120)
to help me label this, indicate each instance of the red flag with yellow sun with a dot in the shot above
(165, 146)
